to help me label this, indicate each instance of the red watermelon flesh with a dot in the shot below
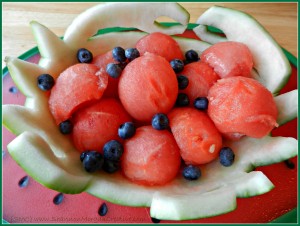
(151, 157)
(148, 85)
(76, 86)
(229, 59)
(201, 77)
(97, 124)
(160, 44)
(102, 61)
(196, 135)
(242, 106)
(34, 203)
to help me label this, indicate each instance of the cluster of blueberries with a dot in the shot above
(200, 103)
(112, 152)
(121, 55)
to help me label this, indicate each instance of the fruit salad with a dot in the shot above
(147, 118)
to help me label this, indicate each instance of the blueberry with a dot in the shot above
(113, 150)
(201, 103)
(226, 156)
(177, 65)
(132, 53)
(45, 82)
(118, 54)
(114, 70)
(84, 56)
(191, 56)
(110, 166)
(92, 161)
(183, 81)
(66, 127)
(126, 130)
(191, 172)
(82, 156)
(182, 100)
(160, 121)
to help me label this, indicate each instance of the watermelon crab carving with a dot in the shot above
(51, 159)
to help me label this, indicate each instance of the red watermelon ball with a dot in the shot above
(151, 157)
(102, 61)
(160, 44)
(76, 86)
(97, 124)
(242, 106)
(196, 135)
(229, 59)
(201, 77)
(148, 85)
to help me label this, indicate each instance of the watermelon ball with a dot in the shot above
(226, 156)
(126, 130)
(201, 77)
(191, 56)
(92, 161)
(151, 157)
(66, 127)
(160, 44)
(229, 59)
(242, 106)
(198, 139)
(182, 100)
(201, 103)
(97, 124)
(45, 82)
(110, 166)
(113, 70)
(148, 85)
(84, 56)
(132, 53)
(75, 87)
(101, 61)
(183, 82)
(191, 172)
(160, 121)
(118, 54)
(177, 65)
(113, 150)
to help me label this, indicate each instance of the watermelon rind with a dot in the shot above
(128, 14)
(287, 105)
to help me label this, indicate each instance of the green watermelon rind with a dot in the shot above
(62, 160)
(86, 24)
